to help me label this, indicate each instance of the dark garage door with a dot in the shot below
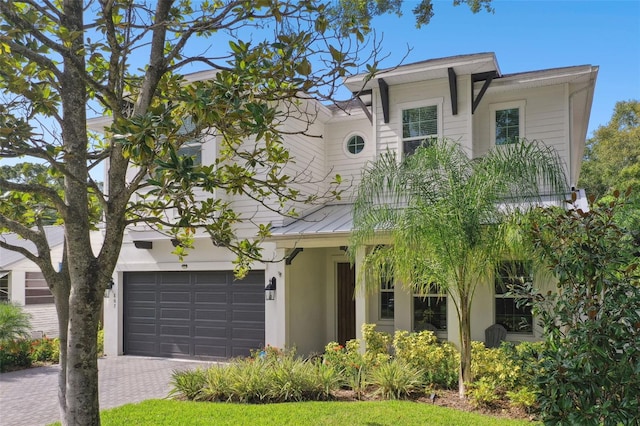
(193, 314)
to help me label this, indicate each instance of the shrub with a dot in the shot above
(592, 324)
(14, 322)
(187, 384)
(349, 363)
(377, 344)
(100, 341)
(525, 398)
(483, 393)
(14, 354)
(45, 350)
(438, 361)
(494, 365)
(396, 379)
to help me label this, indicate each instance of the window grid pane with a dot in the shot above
(515, 319)
(355, 145)
(430, 311)
(507, 126)
(420, 122)
(387, 300)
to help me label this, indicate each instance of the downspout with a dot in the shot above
(586, 87)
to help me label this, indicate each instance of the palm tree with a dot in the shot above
(449, 218)
(14, 322)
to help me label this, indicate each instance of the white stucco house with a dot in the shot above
(162, 307)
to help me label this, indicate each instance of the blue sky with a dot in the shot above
(532, 35)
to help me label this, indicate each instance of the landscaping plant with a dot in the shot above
(14, 322)
(591, 361)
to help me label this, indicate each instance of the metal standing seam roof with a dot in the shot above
(55, 237)
(330, 219)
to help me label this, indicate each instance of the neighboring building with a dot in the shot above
(22, 283)
(161, 307)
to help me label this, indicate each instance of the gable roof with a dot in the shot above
(55, 237)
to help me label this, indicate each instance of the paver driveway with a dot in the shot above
(29, 397)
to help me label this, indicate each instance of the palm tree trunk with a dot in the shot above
(465, 346)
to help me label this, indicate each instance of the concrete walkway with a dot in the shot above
(29, 397)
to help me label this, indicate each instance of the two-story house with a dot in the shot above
(307, 296)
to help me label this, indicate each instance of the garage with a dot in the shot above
(202, 315)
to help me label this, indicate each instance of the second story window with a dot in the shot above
(193, 150)
(355, 144)
(419, 126)
(507, 122)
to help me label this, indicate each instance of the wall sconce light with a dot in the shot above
(107, 290)
(270, 289)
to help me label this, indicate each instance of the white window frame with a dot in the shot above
(438, 102)
(493, 108)
(497, 296)
(386, 287)
(432, 294)
(345, 144)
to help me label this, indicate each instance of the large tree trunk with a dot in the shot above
(465, 346)
(82, 407)
(61, 296)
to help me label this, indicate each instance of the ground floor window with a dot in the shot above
(430, 311)
(386, 300)
(36, 289)
(4, 287)
(513, 316)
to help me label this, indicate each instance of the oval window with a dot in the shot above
(355, 144)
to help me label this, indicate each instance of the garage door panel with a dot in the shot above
(175, 314)
(210, 315)
(214, 296)
(175, 297)
(203, 314)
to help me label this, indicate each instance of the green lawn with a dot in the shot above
(379, 413)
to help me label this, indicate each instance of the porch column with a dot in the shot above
(275, 311)
(362, 308)
(113, 317)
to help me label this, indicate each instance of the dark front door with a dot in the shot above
(346, 303)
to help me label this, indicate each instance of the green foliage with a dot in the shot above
(350, 364)
(447, 220)
(494, 365)
(14, 354)
(281, 378)
(14, 322)
(437, 360)
(45, 350)
(612, 158)
(100, 341)
(482, 393)
(187, 384)
(592, 325)
(377, 344)
(395, 379)
(524, 398)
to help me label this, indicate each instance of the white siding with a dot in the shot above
(545, 118)
(339, 160)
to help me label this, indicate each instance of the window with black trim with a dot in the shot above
(355, 144)
(419, 127)
(513, 316)
(430, 310)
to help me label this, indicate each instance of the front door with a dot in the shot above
(346, 303)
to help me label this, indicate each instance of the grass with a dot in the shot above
(378, 413)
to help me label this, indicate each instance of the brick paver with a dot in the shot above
(29, 397)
